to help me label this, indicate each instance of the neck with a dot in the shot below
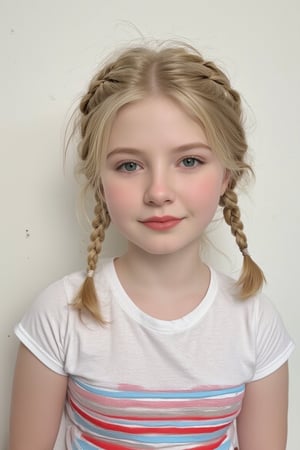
(166, 271)
(164, 286)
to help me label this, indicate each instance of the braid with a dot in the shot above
(84, 105)
(87, 299)
(232, 217)
(252, 277)
(97, 90)
(214, 74)
(99, 224)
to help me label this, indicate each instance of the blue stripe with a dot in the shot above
(161, 395)
(225, 446)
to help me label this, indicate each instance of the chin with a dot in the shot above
(160, 251)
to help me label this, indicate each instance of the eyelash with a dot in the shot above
(121, 167)
(194, 159)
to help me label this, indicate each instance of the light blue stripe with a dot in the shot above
(160, 395)
(225, 446)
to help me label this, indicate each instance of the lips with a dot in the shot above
(161, 222)
(161, 219)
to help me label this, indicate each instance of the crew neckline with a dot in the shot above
(160, 325)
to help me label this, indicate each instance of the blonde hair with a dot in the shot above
(204, 91)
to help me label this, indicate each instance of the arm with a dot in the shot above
(37, 404)
(262, 422)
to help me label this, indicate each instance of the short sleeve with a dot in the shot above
(42, 329)
(273, 343)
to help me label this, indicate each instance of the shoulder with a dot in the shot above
(258, 313)
(256, 324)
(51, 325)
(227, 289)
(260, 306)
(60, 294)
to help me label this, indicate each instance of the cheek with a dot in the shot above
(206, 193)
(118, 199)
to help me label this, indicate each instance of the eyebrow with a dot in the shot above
(180, 149)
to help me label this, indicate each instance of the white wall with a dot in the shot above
(49, 49)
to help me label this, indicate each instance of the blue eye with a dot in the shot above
(190, 162)
(129, 166)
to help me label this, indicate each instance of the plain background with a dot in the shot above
(49, 50)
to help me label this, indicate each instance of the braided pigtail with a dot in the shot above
(252, 277)
(100, 87)
(86, 298)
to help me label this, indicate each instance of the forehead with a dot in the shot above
(154, 120)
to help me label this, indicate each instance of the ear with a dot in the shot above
(226, 181)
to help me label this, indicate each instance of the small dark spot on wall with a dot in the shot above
(27, 234)
(12, 30)
(8, 335)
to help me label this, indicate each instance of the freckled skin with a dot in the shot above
(165, 180)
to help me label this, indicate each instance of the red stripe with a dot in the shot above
(151, 418)
(111, 446)
(145, 430)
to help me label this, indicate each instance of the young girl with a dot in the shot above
(153, 348)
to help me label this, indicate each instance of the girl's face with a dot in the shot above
(161, 181)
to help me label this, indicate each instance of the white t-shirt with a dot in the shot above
(144, 383)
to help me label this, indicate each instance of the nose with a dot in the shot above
(159, 190)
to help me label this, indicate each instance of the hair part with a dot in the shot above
(204, 92)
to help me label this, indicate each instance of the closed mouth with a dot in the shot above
(161, 219)
(161, 223)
